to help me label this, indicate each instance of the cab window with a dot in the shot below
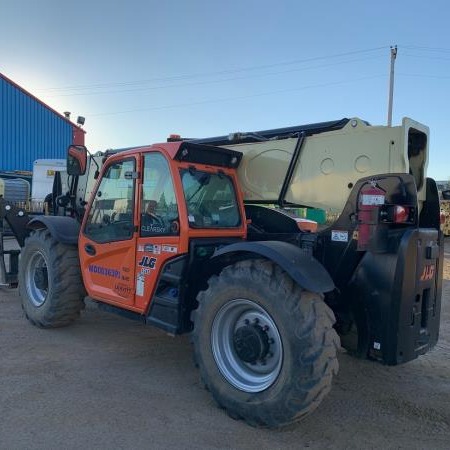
(111, 215)
(159, 211)
(210, 199)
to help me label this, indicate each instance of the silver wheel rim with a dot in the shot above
(248, 377)
(36, 263)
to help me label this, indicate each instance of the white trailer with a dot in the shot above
(43, 176)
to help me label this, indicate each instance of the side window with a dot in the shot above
(159, 212)
(210, 200)
(111, 215)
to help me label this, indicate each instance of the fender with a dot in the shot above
(305, 270)
(64, 229)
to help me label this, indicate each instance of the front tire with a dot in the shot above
(50, 284)
(266, 349)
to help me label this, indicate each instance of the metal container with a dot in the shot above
(15, 190)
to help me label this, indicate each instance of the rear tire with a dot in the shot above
(266, 349)
(50, 284)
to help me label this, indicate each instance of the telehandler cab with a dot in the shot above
(167, 237)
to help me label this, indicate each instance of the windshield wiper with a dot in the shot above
(203, 180)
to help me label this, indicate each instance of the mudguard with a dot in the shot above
(64, 229)
(303, 269)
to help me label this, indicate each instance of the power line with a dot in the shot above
(419, 75)
(432, 49)
(282, 91)
(201, 83)
(209, 74)
(437, 58)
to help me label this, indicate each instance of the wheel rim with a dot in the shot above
(36, 270)
(255, 365)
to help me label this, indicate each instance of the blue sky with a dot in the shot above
(141, 70)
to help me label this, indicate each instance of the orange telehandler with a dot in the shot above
(167, 237)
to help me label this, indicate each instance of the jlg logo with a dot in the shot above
(428, 273)
(147, 261)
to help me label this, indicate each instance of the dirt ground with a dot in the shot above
(107, 382)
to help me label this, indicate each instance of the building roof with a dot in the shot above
(8, 80)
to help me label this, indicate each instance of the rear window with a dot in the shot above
(210, 199)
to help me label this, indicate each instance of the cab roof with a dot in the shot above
(190, 152)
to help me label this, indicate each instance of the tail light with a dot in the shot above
(401, 214)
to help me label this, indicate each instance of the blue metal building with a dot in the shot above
(30, 130)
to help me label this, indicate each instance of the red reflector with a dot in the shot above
(443, 217)
(401, 214)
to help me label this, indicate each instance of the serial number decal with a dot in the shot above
(152, 248)
(169, 249)
(339, 236)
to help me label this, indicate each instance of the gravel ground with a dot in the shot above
(107, 382)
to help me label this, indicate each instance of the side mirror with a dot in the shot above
(76, 160)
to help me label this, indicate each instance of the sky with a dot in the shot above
(139, 70)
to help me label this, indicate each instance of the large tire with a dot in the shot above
(50, 283)
(266, 349)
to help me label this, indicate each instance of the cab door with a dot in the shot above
(158, 241)
(108, 241)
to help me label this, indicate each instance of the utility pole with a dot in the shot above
(391, 84)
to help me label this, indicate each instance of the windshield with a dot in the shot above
(210, 199)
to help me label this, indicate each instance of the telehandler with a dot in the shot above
(199, 236)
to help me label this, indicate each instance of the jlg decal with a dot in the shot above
(147, 261)
(427, 274)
